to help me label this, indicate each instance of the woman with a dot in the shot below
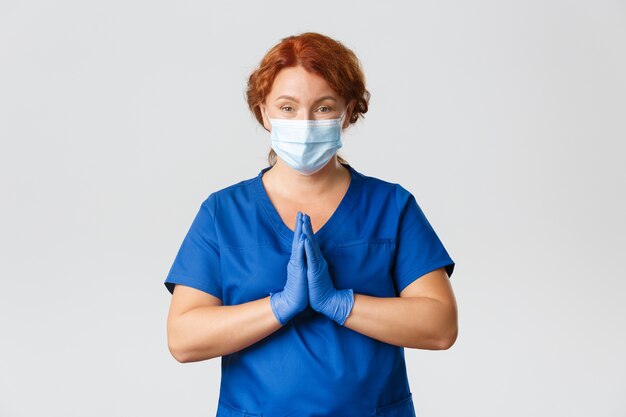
(310, 278)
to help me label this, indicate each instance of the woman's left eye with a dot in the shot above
(327, 109)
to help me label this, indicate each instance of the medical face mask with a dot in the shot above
(306, 145)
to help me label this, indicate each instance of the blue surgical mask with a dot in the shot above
(306, 145)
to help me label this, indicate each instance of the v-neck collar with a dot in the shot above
(336, 219)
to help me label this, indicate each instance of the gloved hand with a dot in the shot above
(295, 296)
(323, 296)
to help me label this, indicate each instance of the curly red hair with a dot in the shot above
(316, 53)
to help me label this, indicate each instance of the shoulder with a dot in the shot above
(375, 184)
(383, 189)
(237, 193)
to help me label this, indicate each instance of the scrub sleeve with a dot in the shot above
(377, 242)
(197, 263)
(418, 248)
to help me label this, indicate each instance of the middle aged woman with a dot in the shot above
(310, 278)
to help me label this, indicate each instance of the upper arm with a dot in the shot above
(187, 298)
(184, 299)
(435, 284)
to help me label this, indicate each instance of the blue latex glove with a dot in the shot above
(295, 296)
(323, 296)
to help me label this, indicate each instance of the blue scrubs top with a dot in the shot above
(377, 242)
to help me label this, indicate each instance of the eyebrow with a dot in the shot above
(296, 100)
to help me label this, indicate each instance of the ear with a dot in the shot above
(349, 110)
(266, 123)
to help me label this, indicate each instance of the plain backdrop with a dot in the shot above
(506, 120)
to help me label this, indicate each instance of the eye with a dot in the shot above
(285, 107)
(326, 107)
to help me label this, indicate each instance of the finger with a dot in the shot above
(299, 229)
(297, 254)
(307, 230)
(307, 249)
(317, 253)
(306, 226)
(310, 249)
(296, 234)
(302, 250)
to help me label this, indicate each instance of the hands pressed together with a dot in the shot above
(308, 281)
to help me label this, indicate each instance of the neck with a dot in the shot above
(295, 185)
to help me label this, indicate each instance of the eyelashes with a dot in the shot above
(328, 109)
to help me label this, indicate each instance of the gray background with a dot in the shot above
(505, 119)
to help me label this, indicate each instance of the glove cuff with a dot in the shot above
(279, 307)
(343, 303)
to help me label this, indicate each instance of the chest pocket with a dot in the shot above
(363, 265)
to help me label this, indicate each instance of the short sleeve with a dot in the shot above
(197, 263)
(418, 248)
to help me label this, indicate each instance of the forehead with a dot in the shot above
(300, 83)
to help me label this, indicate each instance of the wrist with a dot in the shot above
(281, 307)
(340, 306)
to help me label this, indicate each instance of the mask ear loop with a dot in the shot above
(341, 118)
(267, 116)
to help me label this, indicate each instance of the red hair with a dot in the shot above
(316, 53)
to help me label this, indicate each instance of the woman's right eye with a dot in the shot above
(285, 107)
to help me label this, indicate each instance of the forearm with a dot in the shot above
(415, 322)
(207, 332)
